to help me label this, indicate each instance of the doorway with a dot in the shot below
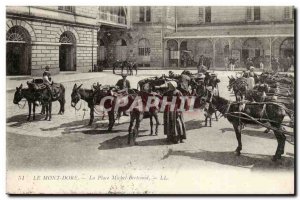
(67, 52)
(18, 51)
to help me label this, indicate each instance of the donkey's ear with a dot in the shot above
(21, 86)
(79, 87)
(228, 77)
(75, 86)
(17, 88)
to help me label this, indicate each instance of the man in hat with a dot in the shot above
(123, 83)
(198, 90)
(213, 82)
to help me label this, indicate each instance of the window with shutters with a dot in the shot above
(144, 47)
(201, 14)
(67, 8)
(253, 13)
(288, 13)
(256, 13)
(249, 14)
(145, 14)
(207, 14)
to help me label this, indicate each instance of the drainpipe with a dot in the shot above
(93, 48)
(175, 19)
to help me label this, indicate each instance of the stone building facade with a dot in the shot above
(68, 38)
(221, 33)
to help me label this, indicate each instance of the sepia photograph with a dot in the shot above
(147, 100)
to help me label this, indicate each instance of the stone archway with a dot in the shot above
(287, 48)
(222, 53)
(173, 53)
(101, 50)
(67, 52)
(252, 47)
(121, 50)
(18, 51)
(144, 52)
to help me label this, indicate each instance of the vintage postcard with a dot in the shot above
(150, 100)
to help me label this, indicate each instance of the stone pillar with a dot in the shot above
(270, 43)
(271, 40)
(230, 46)
(178, 49)
(214, 52)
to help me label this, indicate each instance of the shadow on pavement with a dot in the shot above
(121, 142)
(261, 134)
(226, 129)
(70, 125)
(194, 124)
(22, 119)
(94, 131)
(251, 161)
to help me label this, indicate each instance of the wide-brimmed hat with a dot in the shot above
(124, 75)
(251, 67)
(213, 74)
(47, 67)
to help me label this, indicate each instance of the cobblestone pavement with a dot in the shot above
(66, 142)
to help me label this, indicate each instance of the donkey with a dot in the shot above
(57, 91)
(29, 96)
(130, 66)
(121, 65)
(137, 115)
(115, 98)
(44, 95)
(263, 112)
(85, 94)
(239, 86)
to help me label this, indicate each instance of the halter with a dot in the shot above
(77, 109)
(226, 109)
(22, 107)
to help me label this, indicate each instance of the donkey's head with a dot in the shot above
(231, 82)
(75, 96)
(18, 96)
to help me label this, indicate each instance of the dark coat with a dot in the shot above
(121, 86)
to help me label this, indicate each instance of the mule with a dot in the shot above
(120, 65)
(57, 91)
(130, 66)
(137, 115)
(264, 113)
(114, 98)
(44, 95)
(87, 95)
(26, 93)
(239, 87)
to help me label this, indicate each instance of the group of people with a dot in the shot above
(230, 63)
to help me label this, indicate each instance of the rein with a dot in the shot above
(77, 109)
(22, 107)
(225, 110)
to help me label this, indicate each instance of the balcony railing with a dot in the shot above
(111, 18)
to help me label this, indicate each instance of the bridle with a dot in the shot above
(79, 96)
(21, 106)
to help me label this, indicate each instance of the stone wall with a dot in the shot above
(232, 14)
(45, 42)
